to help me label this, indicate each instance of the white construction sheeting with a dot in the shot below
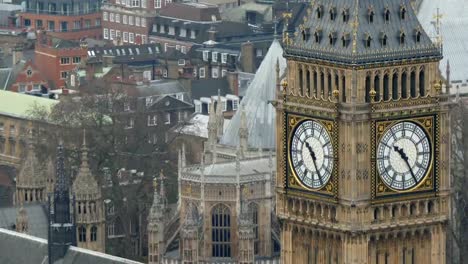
(256, 104)
(454, 32)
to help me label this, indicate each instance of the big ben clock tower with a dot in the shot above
(362, 138)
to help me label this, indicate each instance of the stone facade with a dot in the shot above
(356, 217)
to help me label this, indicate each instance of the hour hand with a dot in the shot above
(311, 151)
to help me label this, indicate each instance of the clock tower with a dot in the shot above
(362, 138)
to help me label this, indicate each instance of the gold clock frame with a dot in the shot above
(293, 185)
(428, 186)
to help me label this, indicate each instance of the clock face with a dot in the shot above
(403, 155)
(311, 154)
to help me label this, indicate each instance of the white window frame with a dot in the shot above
(125, 37)
(117, 18)
(157, 3)
(106, 33)
(124, 19)
(105, 16)
(183, 49)
(181, 62)
(131, 37)
(183, 32)
(143, 39)
(198, 106)
(143, 22)
(177, 47)
(223, 73)
(235, 104)
(215, 73)
(112, 34)
(111, 17)
(131, 123)
(153, 120)
(130, 20)
(202, 72)
(214, 56)
(167, 120)
(143, 3)
(224, 57)
(206, 55)
(137, 21)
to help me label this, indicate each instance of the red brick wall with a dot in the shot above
(35, 78)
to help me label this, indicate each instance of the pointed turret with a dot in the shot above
(243, 133)
(30, 183)
(90, 207)
(212, 127)
(246, 235)
(156, 226)
(189, 236)
(219, 116)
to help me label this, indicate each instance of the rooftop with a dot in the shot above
(191, 12)
(21, 105)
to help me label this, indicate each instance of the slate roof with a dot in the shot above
(37, 219)
(256, 104)
(356, 29)
(191, 12)
(209, 87)
(21, 248)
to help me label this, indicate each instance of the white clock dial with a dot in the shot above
(403, 155)
(311, 154)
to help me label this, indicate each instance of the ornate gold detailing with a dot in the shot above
(372, 94)
(438, 86)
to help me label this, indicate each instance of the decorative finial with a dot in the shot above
(372, 95)
(336, 94)
(438, 86)
(284, 84)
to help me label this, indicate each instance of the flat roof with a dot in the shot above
(21, 105)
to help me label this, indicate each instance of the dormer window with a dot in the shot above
(305, 34)
(345, 39)
(368, 40)
(319, 12)
(384, 40)
(345, 16)
(317, 36)
(403, 13)
(371, 16)
(418, 36)
(331, 38)
(387, 15)
(332, 14)
(402, 38)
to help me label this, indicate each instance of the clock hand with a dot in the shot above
(405, 158)
(314, 160)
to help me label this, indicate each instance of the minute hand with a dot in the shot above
(405, 158)
(314, 158)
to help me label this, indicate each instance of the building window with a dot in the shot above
(202, 72)
(214, 73)
(152, 120)
(171, 31)
(131, 37)
(111, 17)
(93, 233)
(152, 138)
(205, 55)
(198, 106)
(418, 36)
(130, 20)
(137, 21)
(112, 34)
(111, 229)
(82, 234)
(214, 56)
(22, 88)
(181, 62)
(104, 16)
(157, 3)
(135, 3)
(253, 211)
(130, 124)
(387, 15)
(125, 37)
(371, 16)
(98, 23)
(143, 3)
(221, 231)
(143, 22)
(183, 49)
(29, 72)
(235, 104)
(223, 73)
(259, 52)
(224, 57)
(124, 19)
(106, 33)
(76, 60)
(63, 75)
(403, 13)
(168, 119)
(402, 38)
(64, 60)
(117, 18)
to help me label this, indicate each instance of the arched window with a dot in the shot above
(330, 88)
(376, 213)
(93, 233)
(301, 81)
(384, 40)
(394, 211)
(422, 79)
(317, 37)
(253, 211)
(404, 85)
(221, 231)
(343, 41)
(387, 15)
(413, 84)
(82, 234)
(308, 82)
(84, 208)
(377, 87)
(332, 14)
(395, 86)
(368, 41)
(315, 82)
(79, 207)
(371, 16)
(430, 207)
(343, 92)
(418, 36)
(322, 84)
(386, 92)
(319, 12)
(330, 38)
(402, 38)
(345, 16)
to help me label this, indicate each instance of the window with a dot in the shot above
(29, 72)
(143, 39)
(224, 57)
(345, 15)
(137, 21)
(235, 104)
(402, 38)
(12, 148)
(214, 56)
(22, 88)
(177, 47)
(253, 211)
(93, 233)
(202, 72)
(152, 120)
(143, 3)
(104, 16)
(98, 23)
(65, 60)
(76, 60)
(384, 40)
(106, 33)
(111, 17)
(135, 3)
(183, 32)
(181, 62)
(126, 106)
(418, 36)
(371, 16)
(152, 138)
(125, 37)
(183, 49)
(130, 124)
(124, 19)
(143, 22)
(332, 14)
(82, 234)
(118, 35)
(403, 13)
(171, 31)
(215, 73)
(157, 3)
(131, 37)
(198, 106)
(319, 12)
(205, 55)
(221, 231)
(168, 119)
(368, 41)
(63, 75)
(387, 15)
(110, 229)
(130, 20)
(117, 18)
(112, 34)
(259, 52)
(223, 73)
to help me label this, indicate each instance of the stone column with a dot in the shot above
(400, 87)
(408, 82)
(381, 82)
(319, 83)
(417, 82)
(340, 85)
(326, 90)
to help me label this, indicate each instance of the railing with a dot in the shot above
(63, 13)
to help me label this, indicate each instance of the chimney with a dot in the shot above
(233, 80)
(247, 57)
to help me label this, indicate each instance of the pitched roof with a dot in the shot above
(365, 19)
(260, 113)
(21, 105)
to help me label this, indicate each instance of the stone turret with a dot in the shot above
(219, 116)
(90, 219)
(22, 221)
(243, 134)
(212, 127)
(246, 236)
(30, 183)
(189, 236)
(156, 228)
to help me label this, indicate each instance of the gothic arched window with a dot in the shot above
(402, 38)
(319, 12)
(82, 234)
(345, 15)
(93, 233)
(221, 231)
(403, 13)
(418, 36)
(384, 40)
(253, 211)
(371, 16)
(368, 41)
(387, 15)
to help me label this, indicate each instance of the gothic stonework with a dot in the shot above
(381, 193)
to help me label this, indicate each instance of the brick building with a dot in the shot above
(60, 56)
(127, 21)
(69, 19)
(30, 78)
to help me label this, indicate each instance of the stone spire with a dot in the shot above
(30, 184)
(447, 72)
(189, 236)
(22, 221)
(156, 227)
(219, 116)
(85, 186)
(246, 234)
(243, 133)
(212, 127)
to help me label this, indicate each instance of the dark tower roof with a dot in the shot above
(361, 32)
(61, 185)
